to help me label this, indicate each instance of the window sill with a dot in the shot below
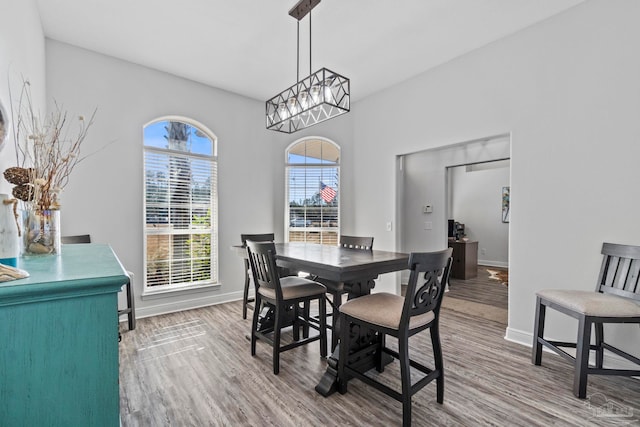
(151, 294)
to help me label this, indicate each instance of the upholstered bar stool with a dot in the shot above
(265, 237)
(283, 294)
(401, 317)
(130, 311)
(616, 299)
(336, 289)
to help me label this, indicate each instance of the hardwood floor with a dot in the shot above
(480, 296)
(194, 368)
(480, 289)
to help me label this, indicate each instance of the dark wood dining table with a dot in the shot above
(357, 269)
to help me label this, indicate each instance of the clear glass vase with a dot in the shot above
(41, 232)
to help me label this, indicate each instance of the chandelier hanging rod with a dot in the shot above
(299, 11)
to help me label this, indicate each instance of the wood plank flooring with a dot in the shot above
(480, 289)
(480, 297)
(194, 368)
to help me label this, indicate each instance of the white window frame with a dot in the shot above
(159, 290)
(288, 166)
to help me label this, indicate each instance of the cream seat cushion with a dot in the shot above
(294, 287)
(592, 303)
(383, 309)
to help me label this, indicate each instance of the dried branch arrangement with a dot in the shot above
(46, 152)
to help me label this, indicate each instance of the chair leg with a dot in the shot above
(405, 376)
(439, 364)
(131, 315)
(538, 332)
(306, 316)
(322, 306)
(276, 338)
(344, 352)
(296, 322)
(245, 298)
(599, 345)
(380, 342)
(254, 325)
(582, 358)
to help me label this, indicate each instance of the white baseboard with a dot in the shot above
(519, 337)
(186, 304)
(488, 263)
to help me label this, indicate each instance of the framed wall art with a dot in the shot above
(505, 204)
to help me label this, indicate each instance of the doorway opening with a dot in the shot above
(464, 182)
(478, 207)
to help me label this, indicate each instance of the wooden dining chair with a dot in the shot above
(336, 289)
(130, 311)
(246, 300)
(616, 300)
(400, 317)
(80, 238)
(284, 294)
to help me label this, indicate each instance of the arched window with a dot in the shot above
(180, 206)
(313, 191)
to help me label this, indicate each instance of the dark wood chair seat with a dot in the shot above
(615, 300)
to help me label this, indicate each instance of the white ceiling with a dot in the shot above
(249, 46)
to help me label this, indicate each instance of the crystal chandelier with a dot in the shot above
(318, 97)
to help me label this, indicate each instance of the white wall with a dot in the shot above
(476, 201)
(568, 91)
(21, 56)
(104, 195)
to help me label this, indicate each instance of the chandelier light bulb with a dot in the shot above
(293, 106)
(303, 100)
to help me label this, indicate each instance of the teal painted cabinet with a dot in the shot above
(59, 340)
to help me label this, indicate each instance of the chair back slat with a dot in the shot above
(355, 242)
(265, 237)
(427, 282)
(81, 238)
(263, 266)
(620, 271)
(634, 277)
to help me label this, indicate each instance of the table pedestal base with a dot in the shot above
(365, 345)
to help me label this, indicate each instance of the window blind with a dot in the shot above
(180, 218)
(313, 210)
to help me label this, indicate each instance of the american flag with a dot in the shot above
(327, 193)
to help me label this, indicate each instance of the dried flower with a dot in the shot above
(45, 145)
(17, 176)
